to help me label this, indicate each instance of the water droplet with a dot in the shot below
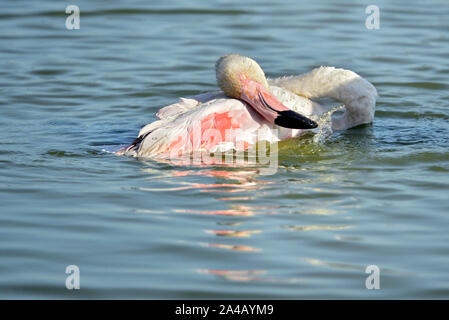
(324, 121)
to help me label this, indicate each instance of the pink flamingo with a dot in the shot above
(251, 108)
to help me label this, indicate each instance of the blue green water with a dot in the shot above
(377, 194)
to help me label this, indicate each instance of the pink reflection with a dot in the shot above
(240, 275)
(237, 180)
(237, 210)
(197, 160)
(249, 275)
(234, 233)
(241, 182)
(232, 247)
(235, 198)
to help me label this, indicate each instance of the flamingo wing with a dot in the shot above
(215, 125)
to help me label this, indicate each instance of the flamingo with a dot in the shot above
(251, 108)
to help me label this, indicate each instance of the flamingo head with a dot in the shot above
(242, 78)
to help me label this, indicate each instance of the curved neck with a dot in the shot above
(357, 94)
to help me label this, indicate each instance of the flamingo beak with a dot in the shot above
(269, 107)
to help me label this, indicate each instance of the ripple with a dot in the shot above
(130, 11)
(62, 153)
(234, 233)
(420, 85)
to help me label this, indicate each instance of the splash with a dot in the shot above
(324, 121)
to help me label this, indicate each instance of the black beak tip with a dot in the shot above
(293, 120)
(313, 124)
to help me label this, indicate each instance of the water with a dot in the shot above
(376, 194)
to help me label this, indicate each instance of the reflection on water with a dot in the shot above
(236, 275)
(235, 181)
(245, 204)
(348, 266)
(236, 210)
(232, 247)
